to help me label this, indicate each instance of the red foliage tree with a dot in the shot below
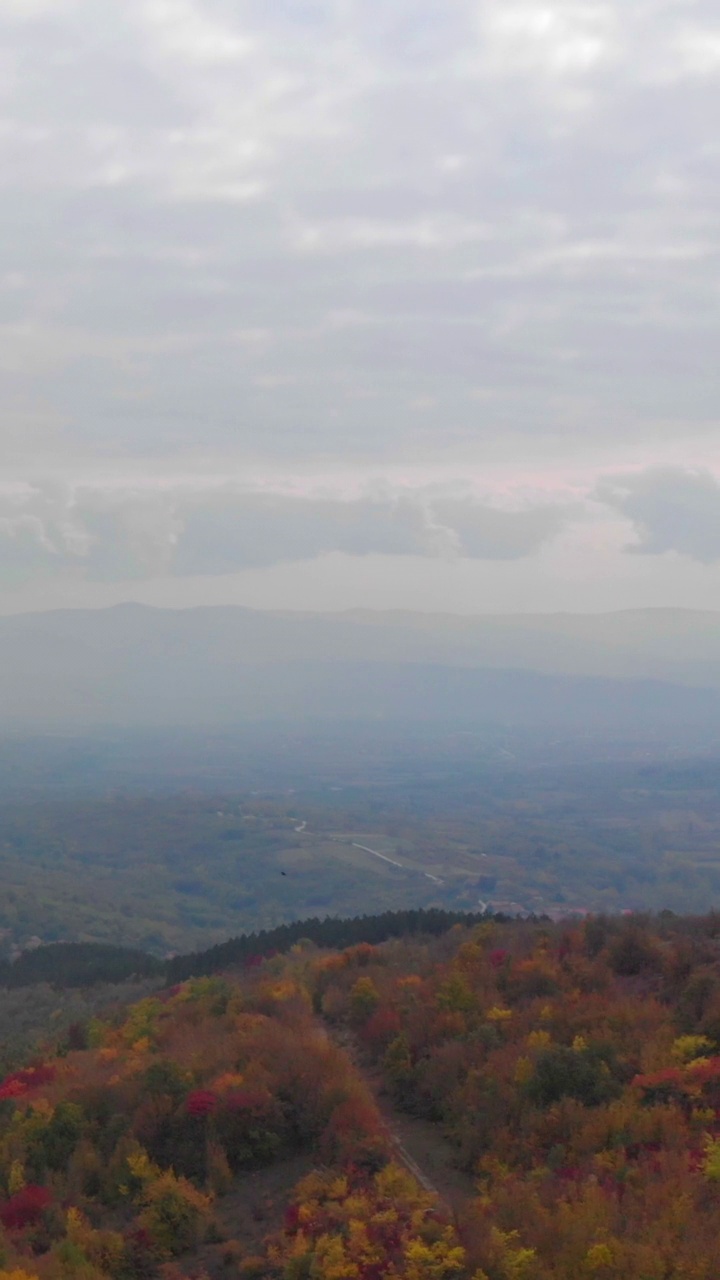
(381, 1027)
(201, 1102)
(25, 1208)
(22, 1082)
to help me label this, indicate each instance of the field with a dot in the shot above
(344, 826)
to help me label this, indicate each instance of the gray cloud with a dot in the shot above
(109, 535)
(487, 533)
(519, 198)
(672, 509)
(345, 237)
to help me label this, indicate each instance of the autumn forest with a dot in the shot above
(504, 1100)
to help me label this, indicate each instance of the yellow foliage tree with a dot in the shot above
(176, 1214)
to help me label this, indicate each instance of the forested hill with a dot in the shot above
(232, 1127)
(85, 964)
(68, 964)
(78, 964)
(330, 932)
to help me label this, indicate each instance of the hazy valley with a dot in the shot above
(203, 777)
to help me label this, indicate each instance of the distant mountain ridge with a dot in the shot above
(136, 665)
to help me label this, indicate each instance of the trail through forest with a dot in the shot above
(419, 1144)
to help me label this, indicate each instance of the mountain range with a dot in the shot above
(133, 665)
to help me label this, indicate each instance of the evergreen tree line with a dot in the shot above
(331, 932)
(78, 964)
(83, 964)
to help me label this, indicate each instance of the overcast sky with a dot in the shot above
(389, 303)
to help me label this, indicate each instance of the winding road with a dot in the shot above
(366, 849)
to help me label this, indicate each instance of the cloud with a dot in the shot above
(519, 197)
(489, 533)
(672, 509)
(116, 535)
(553, 37)
(341, 237)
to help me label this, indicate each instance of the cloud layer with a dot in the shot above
(341, 236)
(120, 535)
(671, 510)
(287, 230)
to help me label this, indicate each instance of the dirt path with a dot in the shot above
(251, 1211)
(419, 1144)
(429, 1156)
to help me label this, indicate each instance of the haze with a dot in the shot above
(330, 305)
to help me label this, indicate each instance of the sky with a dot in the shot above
(360, 303)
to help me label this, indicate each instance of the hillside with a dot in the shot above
(247, 1124)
